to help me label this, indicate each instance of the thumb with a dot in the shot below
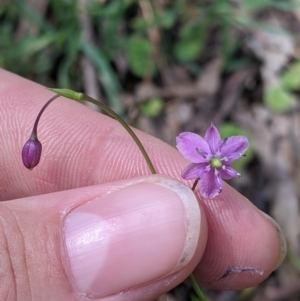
(132, 239)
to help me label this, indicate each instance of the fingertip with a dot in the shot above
(243, 246)
(282, 240)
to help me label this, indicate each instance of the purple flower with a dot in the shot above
(31, 153)
(211, 158)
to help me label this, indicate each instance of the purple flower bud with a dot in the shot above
(31, 153)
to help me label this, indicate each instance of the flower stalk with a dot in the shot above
(196, 288)
(192, 279)
(32, 149)
(80, 96)
(34, 130)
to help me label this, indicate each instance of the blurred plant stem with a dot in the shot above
(197, 289)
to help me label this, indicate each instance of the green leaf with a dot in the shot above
(140, 57)
(191, 42)
(290, 79)
(228, 129)
(139, 24)
(187, 50)
(32, 45)
(153, 107)
(294, 259)
(256, 4)
(279, 4)
(167, 18)
(278, 99)
(108, 78)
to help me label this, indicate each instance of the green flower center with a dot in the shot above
(216, 163)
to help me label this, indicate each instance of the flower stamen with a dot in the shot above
(198, 151)
(216, 163)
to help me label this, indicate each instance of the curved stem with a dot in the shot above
(196, 288)
(195, 184)
(80, 96)
(127, 128)
(34, 129)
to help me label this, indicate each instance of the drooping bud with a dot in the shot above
(31, 152)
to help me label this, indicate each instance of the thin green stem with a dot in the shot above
(127, 128)
(197, 289)
(34, 130)
(80, 96)
(195, 285)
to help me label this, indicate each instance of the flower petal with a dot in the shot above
(194, 171)
(227, 172)
(213, 138)
(210, 184)
(193, 147)
(190, 172)
(233, 148)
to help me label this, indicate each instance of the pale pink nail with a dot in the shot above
(131, 237)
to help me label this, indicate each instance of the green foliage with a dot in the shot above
(118, 26)
(108, 77)
(51, 53)
(228, 129)
(279, 4)
(191, 42)
(278, 99)
(194, 31)
(107, 20)
(153, 107)
(164, 20)
(140, 57)
(290, 79)
(294, 259)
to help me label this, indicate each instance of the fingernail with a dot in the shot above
(131, 237)
(283, 246)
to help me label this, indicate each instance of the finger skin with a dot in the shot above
(244, 240)
(33, 261)
(82, 148)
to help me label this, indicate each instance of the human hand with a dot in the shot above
(105, 228)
